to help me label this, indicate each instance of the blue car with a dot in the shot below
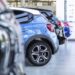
(55, 21)
(67, 31)
(38, 36)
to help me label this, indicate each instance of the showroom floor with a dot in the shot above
(62, 63)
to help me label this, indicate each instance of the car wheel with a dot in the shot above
(39, 53)
(61, 40)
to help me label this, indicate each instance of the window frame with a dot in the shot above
(29, 19)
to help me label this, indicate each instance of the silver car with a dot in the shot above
(10, 43)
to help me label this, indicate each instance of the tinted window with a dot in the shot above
(54, 18)
(23, 17)
(49, 13)
(44, 14)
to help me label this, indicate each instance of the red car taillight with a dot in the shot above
(66, 24)
(50, 27)
(59, 23)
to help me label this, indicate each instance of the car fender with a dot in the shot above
(39, 36)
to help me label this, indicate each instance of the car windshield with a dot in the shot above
(51, 17)
(49, 13)
(54, 18)
(23, 17)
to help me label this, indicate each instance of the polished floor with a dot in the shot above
(62, 63)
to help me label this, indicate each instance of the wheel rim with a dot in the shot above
(40, 54)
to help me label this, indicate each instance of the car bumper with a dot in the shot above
(55, 43)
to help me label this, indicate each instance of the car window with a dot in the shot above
(23, 17)
(49, 13)
(44, 14)
(54, 18)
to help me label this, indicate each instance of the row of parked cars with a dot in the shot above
(42, 33)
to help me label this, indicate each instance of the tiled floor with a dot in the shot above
(62, 63)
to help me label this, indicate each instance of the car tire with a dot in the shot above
(61, 40)
(39, 53)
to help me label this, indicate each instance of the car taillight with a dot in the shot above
(66, 24)
(59, 23)
(50, 27)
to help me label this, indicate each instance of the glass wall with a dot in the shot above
(47, 4)
(32, 3)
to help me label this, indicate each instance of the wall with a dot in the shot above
(60, 9)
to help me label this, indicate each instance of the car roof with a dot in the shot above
(40, 9)
(32, 11)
